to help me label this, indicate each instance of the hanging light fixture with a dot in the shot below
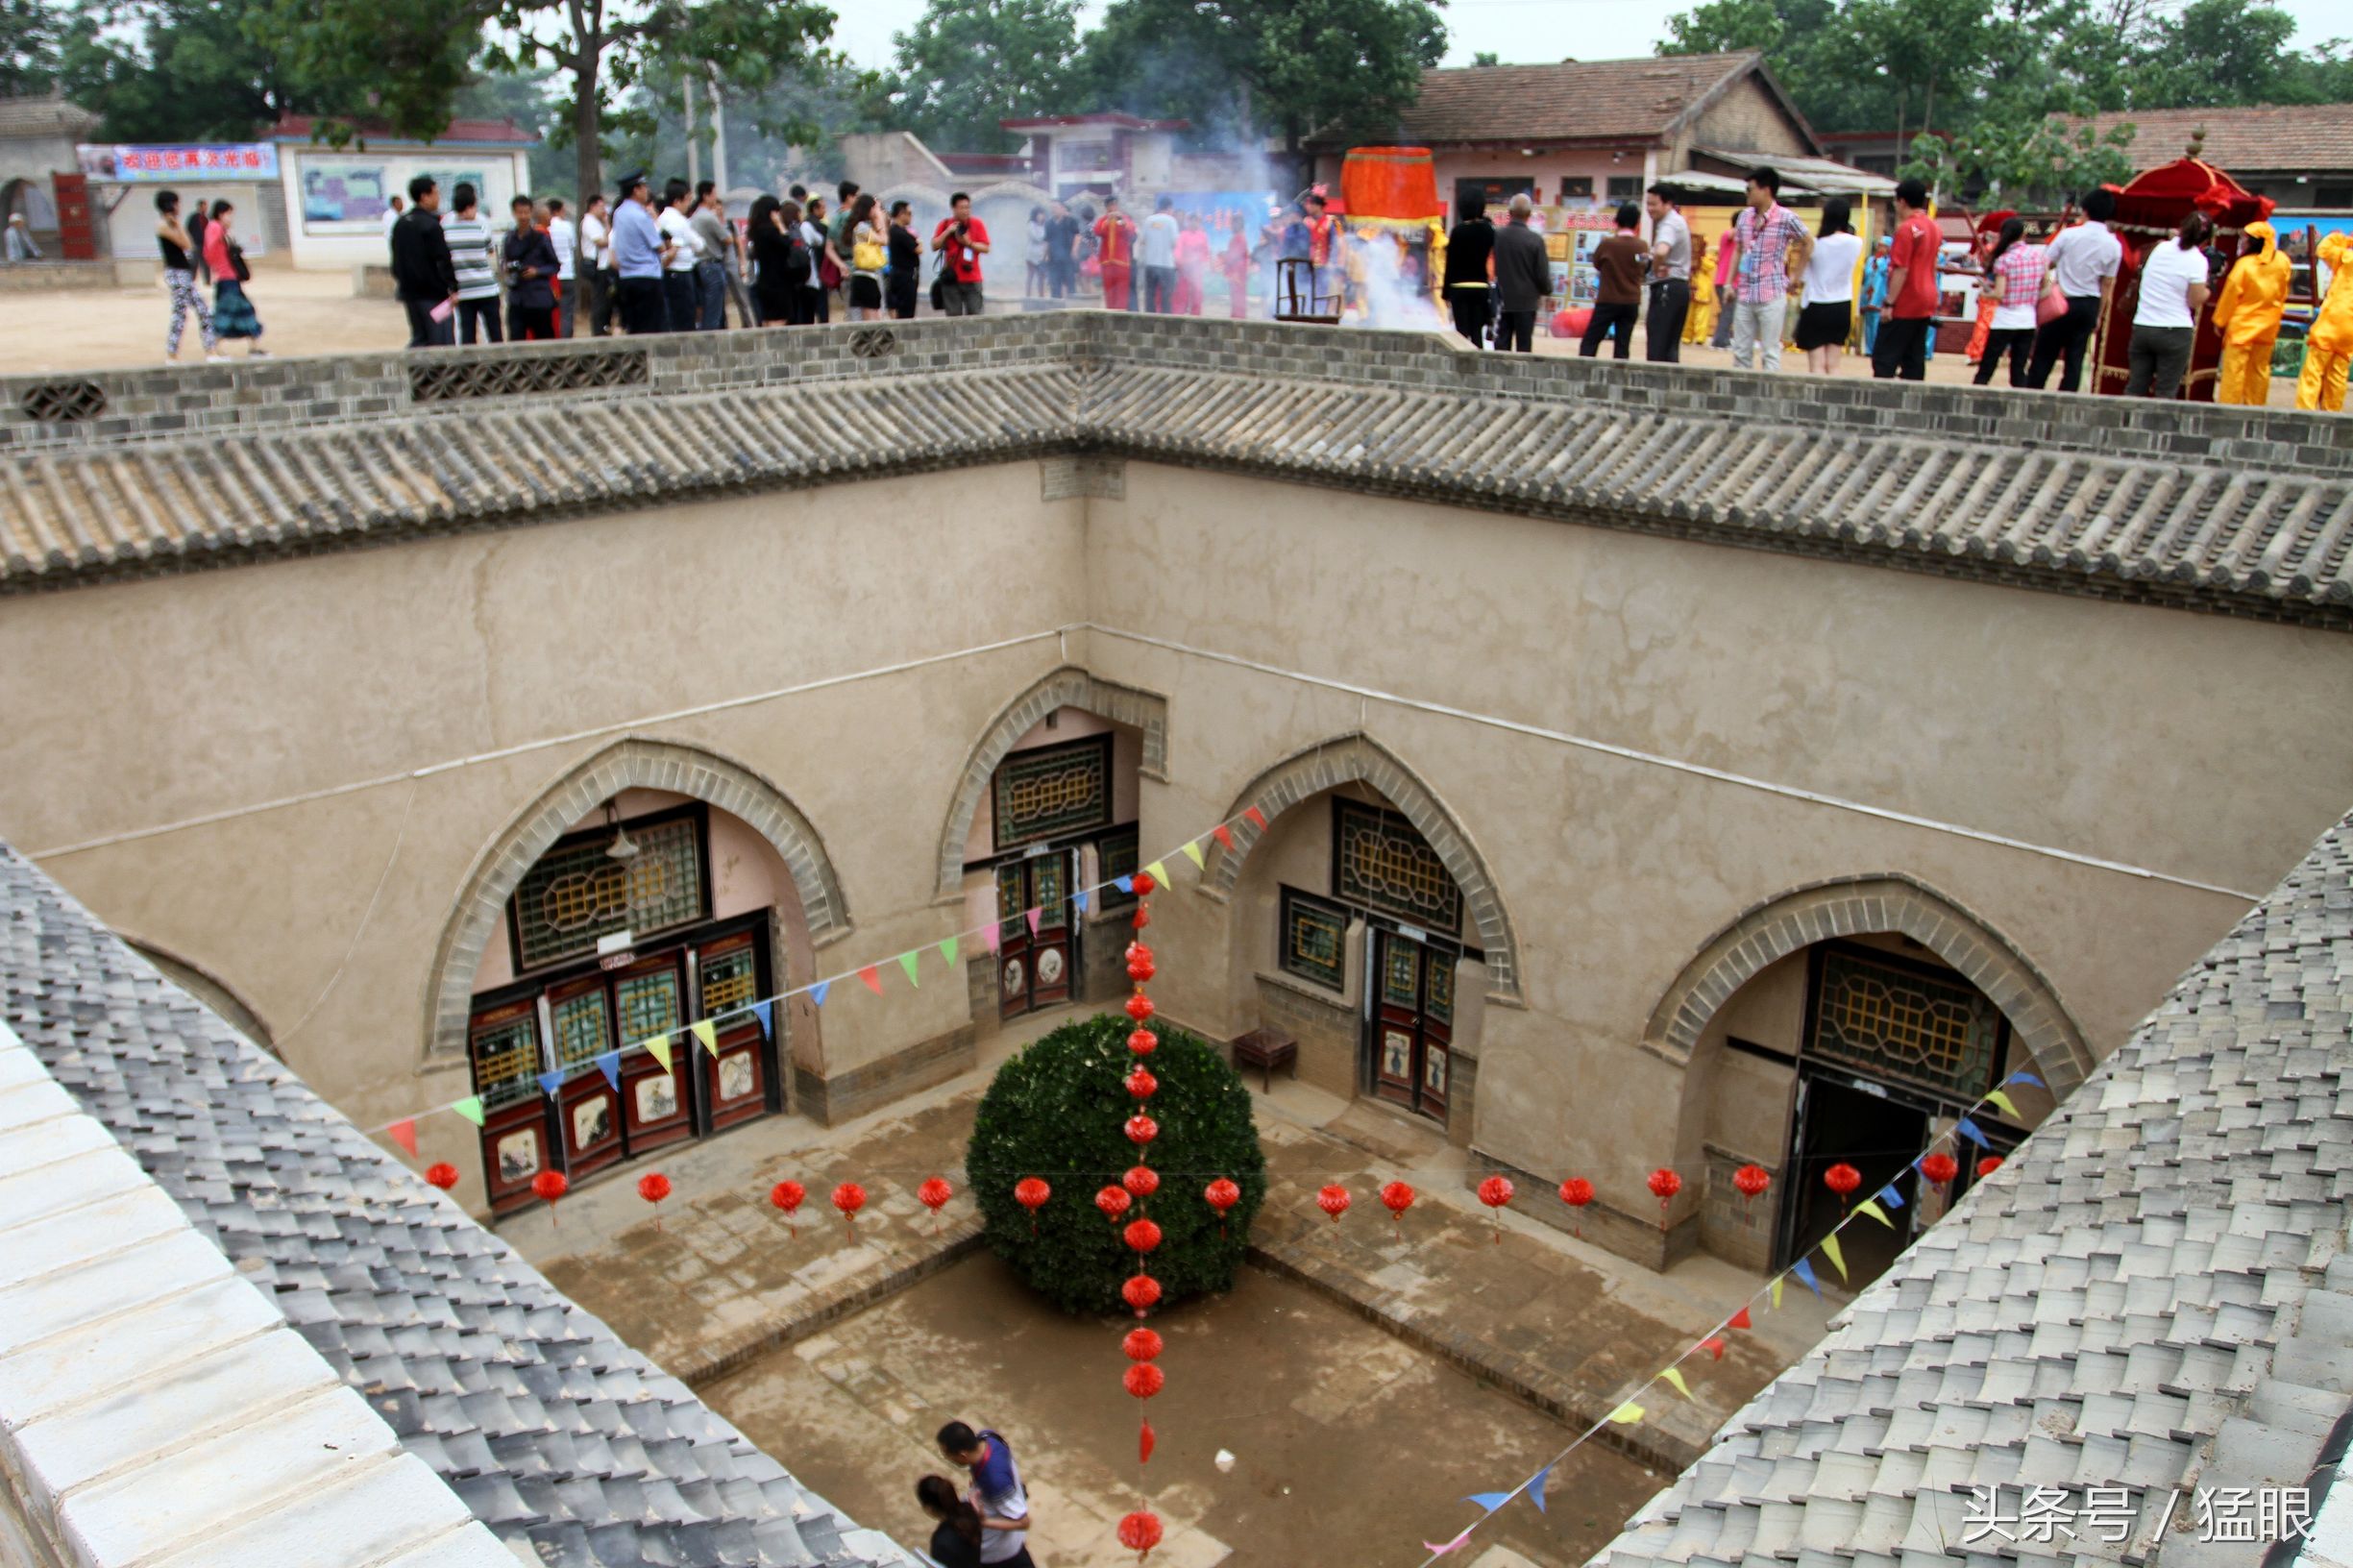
(623, 849)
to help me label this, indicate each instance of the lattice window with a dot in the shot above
(1119, 854)
(506, 1050)
(1314, 941)
(578, 893)
(873, 343)
(1440, 1004)
(582, 1031)
(729, 980)
(438, 380)
(1380, 862)
(648, 1005)
(1904, 1024)
(1400, 974)
(1052, 791)
(64, 403)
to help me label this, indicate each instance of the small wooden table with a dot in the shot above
(1266, 1050)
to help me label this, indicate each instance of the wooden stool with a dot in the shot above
(1267, 1049)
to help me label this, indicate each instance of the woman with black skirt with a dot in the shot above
(1827, 320)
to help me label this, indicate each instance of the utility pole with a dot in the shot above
(719, 135)
(694, 155)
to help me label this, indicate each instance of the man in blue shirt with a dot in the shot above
(638, 255)
(1874, 293)
(996, 1493)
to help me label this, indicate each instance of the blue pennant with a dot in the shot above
(766, 1013)
(1079, 900)
(816, 992)
(609, 1064)
(1490, 1501)
(550, 1082)
(1969, 1129)
(1536, 1488)
(2021, 1076)
(1805, 1271)
(1889, 1196)
(1125, 883)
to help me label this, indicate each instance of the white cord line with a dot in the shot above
(1630, 754)
(366, 915)
(231, 813)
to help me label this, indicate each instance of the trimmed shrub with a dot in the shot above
(1058, 1111)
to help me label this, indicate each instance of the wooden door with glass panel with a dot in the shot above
(735, 1075)
(1413, 1018)
(1033, 968)
(503, 1045)
(588, 1120)
(649, 1000)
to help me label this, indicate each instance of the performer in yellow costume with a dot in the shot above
(2248, 316)
(1699, 325)
(2330, 346)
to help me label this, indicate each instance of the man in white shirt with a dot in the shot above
(681, 251)
(2085, 259)
(392, 215)
(596, 261)
(1156, 248)
(562, 235)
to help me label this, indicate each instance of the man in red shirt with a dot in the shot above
(1912, 290)
(962, 239)
(1115, 234)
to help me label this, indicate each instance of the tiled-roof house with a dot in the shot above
(2300, 155)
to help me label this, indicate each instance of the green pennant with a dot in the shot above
(2002, 1103)
(948, 950)
(659, 1045)
(1627, 1414)
(1777, 1292)
(1871, 1206)
(706, 1032)
(469, 1108)
(1675, 1376)
(1830, 1250)
(1192, 852)
(906, 961)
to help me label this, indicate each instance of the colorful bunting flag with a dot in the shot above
(1713, 1347)
(1455, 1545)
(469, 1108)
(1078, 900)
(659, 1045)
(1490, 1501)
(1890, 1196)
(766, 1013)
(872, 977)
(1777, 1292)
(1627, 1414)
(1158, 872)
(816, 992)
(1125, 883)
(907, 962)
(1033, 922)
(1224, 835)
(1973, 1132)
(1192, 852)
(2021, 1076)
(1256, 817)
(948, 950)
(1871, 1206)
(1838, 1259)
(1675, 1376)
(609, 1064)
(1805, 1271)
(707, 1031)
(2002, 1103)
(1739, 1319)
(987, 939)
(1536, 1487)
(550, 1082)
(404, 1133)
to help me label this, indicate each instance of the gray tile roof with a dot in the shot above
(2218, 508)
(2149, 1294)
(550, 1429)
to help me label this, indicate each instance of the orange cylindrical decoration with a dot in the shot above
(1390, 183)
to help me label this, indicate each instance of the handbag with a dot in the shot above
(2050, 304)
(237, 262)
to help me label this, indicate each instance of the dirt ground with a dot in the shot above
(1350, 1449)
(314, 312)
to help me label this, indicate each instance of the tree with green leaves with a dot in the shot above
(967, 64)
(28, 36)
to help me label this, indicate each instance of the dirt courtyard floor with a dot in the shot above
(314, 312)
(1350, 1448)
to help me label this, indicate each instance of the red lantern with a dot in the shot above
(850, 1197)
(1664, 1184)
(1031, 1194)
(1142, 1235)
(1577, 1192)
(1397, 1198)
(1142, 1345)
(1139, 962)
(1222, 1195)
(1333, 1201)
(933, 1196)
(1139, 1007)
(1140, 1292)
(442, 1175)
(1139, 1532)
(1142, 1084)
(1113, 1201)
(547, 1187)
(1143, 1444)
(1842, 1179)
(1751, 1180)
(654, 1187)
(1496, 1191)
(1991, 1164)
(1939, 1167)
(787, 1197)
(1142, 1180)
(1141, 1042)
(1143, 1380)
(1141, 1129)
(1144, 884)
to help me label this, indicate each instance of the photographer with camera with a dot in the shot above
(962, 239)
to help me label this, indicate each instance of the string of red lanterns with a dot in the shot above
(1139, 1530)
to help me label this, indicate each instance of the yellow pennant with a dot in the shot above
(708, 1033)
(1675, 1376)
(1627, 1414)
(659, 1045)
(1830, 1250)
(1871, 1206)
(1192, 852)
(1776, 1292)
(1159, 873)
(2002, 1103)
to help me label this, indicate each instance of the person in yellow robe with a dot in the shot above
(1700, 322)
(2248, 317)
(2329, 347)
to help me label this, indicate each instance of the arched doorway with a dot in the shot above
(1854, 1023)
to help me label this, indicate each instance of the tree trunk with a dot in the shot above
(587, 125)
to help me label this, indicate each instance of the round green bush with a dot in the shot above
(1059, 1110)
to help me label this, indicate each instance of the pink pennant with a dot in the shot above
(1256, 817)
(1033, 921)
(1455, 1545)
(404, 1133)
(989, 938)
(1223, 835)
(873, 979)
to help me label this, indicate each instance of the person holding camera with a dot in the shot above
(962, 240)
(528, 257)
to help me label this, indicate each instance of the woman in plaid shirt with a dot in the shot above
(2014, 277)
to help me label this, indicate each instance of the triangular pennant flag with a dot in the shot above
(1256, 817)
(766, 1013)
(1536, 1487)
(988, 938)
(1078, 900)
(1889, 1195)
(1675, 1376)
(469, 1108)
(1627, 1414)
(609, 1064)
(707, 1031)
(872, 978)
(404, 1133)
(1973, 1132)
(2023, 1077)
(2002, 1102)
(1224, 835)
(948, 950)
(1713, 1347)
(1455, 1545)
(1838, 1259)
(1192, 852)
(1738, 1320)
(1871, 1206)
(1159, 874)
(816, 992)
(550, 1082)
(1490, 1501)
(1125, 883)
(1805, 1271)
(1776, 1292)
(907, 962)
(1033, 922)
(659, 1045)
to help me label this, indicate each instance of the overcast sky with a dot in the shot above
(1522, 32)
